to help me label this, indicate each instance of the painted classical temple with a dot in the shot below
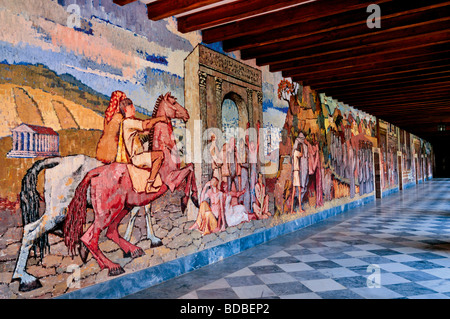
(34, 141)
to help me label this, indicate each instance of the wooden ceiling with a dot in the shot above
(399, 72)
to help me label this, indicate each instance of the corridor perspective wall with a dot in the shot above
(270, 151)
(403, 156)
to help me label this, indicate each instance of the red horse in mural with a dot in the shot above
(113, 196)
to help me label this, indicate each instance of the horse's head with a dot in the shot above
(170, 108)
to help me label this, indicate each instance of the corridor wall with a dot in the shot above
(300, 156)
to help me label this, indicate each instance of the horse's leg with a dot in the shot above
(193, 186)
(104, 215)
(134, 212)
(129, 249)
(31, 232)
(156, 242)
(90, 240)
(178, 177)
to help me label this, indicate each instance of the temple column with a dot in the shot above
(203, 116)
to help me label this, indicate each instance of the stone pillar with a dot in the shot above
(15, 141)
(259, 95)
(203, 116)
(260, 103)
(28, 144)
(219, 83)
(250, 106)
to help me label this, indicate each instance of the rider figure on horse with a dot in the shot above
(130, 147)
(120, 139)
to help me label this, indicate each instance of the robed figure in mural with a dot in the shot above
(243, 173)
(253, 160)
(106, 151)
(211, 215)
(352, 168)
(261, 204)
(229, 162)
(216, 159)
(234, 213)
(130, 148)
(315, 168)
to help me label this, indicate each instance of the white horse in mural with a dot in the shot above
(62, 176)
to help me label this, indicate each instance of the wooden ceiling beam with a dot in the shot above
(433, 124)
(417, 92)
(361, 62)
(161, 9)
(380, 107)
(367, 88)
(400, 99)
(230, 12)
(401, 94)
(303, 13)
(325, 25)
(405, 89)
(435, 100)
(398, 96)
(123, 2)
(399, 121)
(417, 120)
(386, 104)
(387, 68)
(397, 45)
(380, 41)
(408, 117)
(377, 76)
(444, 80)
(379, 79)
(390, 23)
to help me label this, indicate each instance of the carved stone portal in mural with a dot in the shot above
(212, 78)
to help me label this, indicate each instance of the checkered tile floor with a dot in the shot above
(401, 242)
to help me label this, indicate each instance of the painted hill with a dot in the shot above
(40, 77)
(23, 104)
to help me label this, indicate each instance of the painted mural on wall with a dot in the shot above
(389, 139)
(76, 116)
(325, 152)
(423, 159)
(99, 111)
(406, 160)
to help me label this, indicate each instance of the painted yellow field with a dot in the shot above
(23, 104)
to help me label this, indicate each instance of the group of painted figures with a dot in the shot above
(306, 164)
(235, 192)
(351, 165)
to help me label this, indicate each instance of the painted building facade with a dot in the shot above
(59, 70)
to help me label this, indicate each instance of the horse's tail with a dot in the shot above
(30, 198)
(76, 213)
